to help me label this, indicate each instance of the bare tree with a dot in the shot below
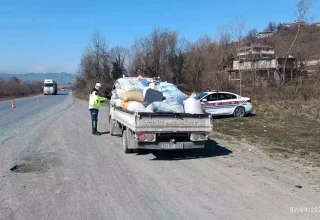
(252, 35)
(271, 27)
(238, 30)
(119, 61)
(302, 12)
(225, 40)
(95, 63)
(155, 55)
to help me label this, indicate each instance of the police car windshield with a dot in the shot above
(201, 95)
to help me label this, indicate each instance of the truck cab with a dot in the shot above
(50, 87)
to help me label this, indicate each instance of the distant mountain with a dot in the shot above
(60, 78)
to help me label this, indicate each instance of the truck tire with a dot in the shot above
(111, 126)
(125, 142)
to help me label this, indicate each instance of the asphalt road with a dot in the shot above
(27, 112)
(53, 168)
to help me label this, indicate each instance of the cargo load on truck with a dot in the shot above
(155, 95)
(151, 114)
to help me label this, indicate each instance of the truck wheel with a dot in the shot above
(125, 142)
(239, 112)
(111, 126)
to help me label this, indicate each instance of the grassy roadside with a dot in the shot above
(80, 95)
(20, 97)
(275, 131)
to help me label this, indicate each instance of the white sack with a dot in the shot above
(118, 103)
(192, 106)
(135, 107)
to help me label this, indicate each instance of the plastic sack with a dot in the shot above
(129, 84)
(192, 106)
(155, 87)
(118, 103)
(132, 96)
(163, 107)
(175, 100)
(151, 95)
(124, 105)
(149, 108)
(117, 92)
(133, 106)
(169, 89)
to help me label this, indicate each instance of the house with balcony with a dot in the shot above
(261, 60)
(255, 51)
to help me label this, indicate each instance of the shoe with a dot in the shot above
(94, 128)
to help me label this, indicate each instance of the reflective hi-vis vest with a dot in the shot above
(95, 100)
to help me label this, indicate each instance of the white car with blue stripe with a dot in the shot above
(225, 103)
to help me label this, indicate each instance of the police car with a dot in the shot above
(225, 103)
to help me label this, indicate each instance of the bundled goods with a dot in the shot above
(175, 100)
(163, 107)
(161, 97)
(117, 92)
(168, 89)
(151, 95)
(192, 106)
(132, 96)
(118, 103)
(155, 86)
(132, 84)
(133, 106)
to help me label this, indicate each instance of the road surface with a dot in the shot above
(53, 168)
(27, 112)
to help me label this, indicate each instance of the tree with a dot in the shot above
(95, 64)
(252, 35)
(118, 56)
(279, 27)
(155, 55)
(272, 27)
(302, 12)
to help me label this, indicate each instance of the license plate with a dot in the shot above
(172, 146)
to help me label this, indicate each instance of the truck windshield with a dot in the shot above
(48, 85)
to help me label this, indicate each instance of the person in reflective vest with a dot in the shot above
(94, 104)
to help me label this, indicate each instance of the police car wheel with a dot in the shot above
(239, 112)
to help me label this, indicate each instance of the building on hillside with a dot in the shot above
(316, 24)
(255, 51)
(265, 34)
(293, 24)
(261, 60)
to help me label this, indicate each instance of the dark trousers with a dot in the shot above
(94, 114)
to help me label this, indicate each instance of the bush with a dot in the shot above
(15, 88)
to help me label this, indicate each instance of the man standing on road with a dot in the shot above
(94, 104)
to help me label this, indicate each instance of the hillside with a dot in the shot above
(306, 46)
(60, 78)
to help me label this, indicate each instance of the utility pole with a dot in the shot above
(237, 79)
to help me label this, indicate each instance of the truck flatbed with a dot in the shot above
(162, 131)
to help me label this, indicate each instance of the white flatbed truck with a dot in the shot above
(159, 131)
